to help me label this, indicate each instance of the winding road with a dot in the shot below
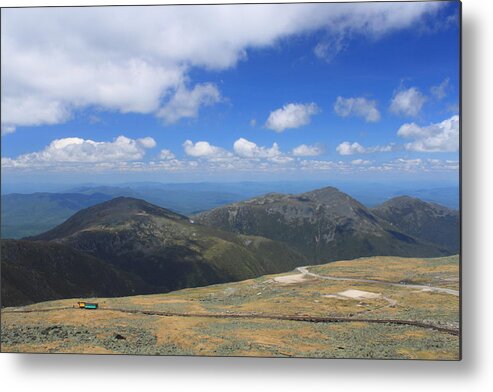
(304, 271)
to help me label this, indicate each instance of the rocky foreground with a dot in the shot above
(267, 316)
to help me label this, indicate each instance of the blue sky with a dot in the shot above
(353, 91)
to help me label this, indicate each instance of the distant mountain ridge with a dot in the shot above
(324, 225)
(29, 214)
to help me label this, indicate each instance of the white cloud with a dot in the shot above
(406, 164)
(126, 59)
(281, 160)
(62, 156)
(443, 165)
(407, 102)
(204, 149)
(359, 162)
(186, 103)
(147, 142)
(313, 164)
(77, 150)
(385, 148)
(171, 165)
(292, 115)
(304, 150)
(440, 91)
(443, 136)
(360, 107)
(166, 155)
(247, 149)
(328, 49)
(32, 110)
(347, 148)
(6, 129)
(253, 122)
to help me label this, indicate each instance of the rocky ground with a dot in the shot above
(58, 326)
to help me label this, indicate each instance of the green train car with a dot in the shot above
(87, 305)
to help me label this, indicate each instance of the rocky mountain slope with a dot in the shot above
(427, 221)
(323, 225)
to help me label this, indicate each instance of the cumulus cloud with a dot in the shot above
(57, 60)
(407, 102)
(304, 150)
(443, 165)
(78, 150)
(292, 115)
(405, 164)
(74, 154)
(440, 91)
(438, 137)
(360, 107)
(396, 165)
(315, 165)
(204, 149)
(166, 155)
(281, 160)
(247, 149)
(347, 148)
(359, 162)
(186, 103)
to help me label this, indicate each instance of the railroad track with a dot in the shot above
(300, 318)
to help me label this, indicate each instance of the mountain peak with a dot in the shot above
(117, 211)
(405, 201)
(333, 198)
(426, 221)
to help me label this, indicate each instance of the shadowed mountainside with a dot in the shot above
(42, 271)
(163, 250)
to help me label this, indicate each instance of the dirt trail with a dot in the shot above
(304, 271)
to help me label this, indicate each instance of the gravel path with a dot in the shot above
(304, 271)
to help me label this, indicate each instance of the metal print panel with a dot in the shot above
(262, 180)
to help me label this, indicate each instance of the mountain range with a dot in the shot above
(27, 211)
(127, 246)
(324, 225)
